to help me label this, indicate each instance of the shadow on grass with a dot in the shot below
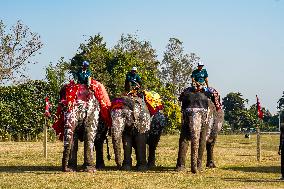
(252, 180)
(26, 169)
(244, 155)
(258, 169)
(133, 169)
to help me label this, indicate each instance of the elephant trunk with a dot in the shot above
(140, 141)
(198, 127)
(194, 154)
(116, 141)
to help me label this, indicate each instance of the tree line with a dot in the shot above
(22, 101)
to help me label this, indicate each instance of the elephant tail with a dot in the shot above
(108, 154)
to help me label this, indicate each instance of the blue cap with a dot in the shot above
(86, 63)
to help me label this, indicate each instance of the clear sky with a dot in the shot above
(240, 41)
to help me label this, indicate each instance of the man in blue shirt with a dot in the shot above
(84, 73)
(132, 80)
(199, 77)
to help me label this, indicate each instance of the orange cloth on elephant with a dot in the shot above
(103, 98)
(153, 101)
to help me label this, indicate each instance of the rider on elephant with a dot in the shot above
(132, 80)
(199, 77)
(200, 83)
(84, 74)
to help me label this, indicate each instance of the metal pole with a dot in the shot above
(45, 138)
(258, 143)
(279, 120)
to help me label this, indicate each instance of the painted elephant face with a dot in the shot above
(158, 123)
(129, 112)
(85, 110)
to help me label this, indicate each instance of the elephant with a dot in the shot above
(136, 126)
(80, 120)
(131, 123)
(281, 149)
(200, 125)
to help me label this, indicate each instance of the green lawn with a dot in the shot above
(22, 165)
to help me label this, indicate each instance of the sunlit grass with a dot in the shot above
(22, 165)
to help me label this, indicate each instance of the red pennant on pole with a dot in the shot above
(47, 107)
(259, 110)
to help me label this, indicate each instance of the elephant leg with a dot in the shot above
(68, 140)
(127, 147)
(153, 143)
(282, 159)
(183, 147)
(210, 158)
(99, 147)
(99, 144)
(140, 141)
(72, 163)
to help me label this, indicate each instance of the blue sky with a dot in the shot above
(240, 41)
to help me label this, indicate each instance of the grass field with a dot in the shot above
(22, 165)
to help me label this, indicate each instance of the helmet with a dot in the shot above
(200, 63)
(134, 69)
(85, 63)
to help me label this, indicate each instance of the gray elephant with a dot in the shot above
(132, 122)
(79, 119)
(201, 123)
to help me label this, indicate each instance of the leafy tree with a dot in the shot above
(140, 54)
(22, 109)
(17, 46)
(281, 102)
(234, 107)
(176, 66)
(57, 75)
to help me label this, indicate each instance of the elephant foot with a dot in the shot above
(126, 167)
(194, 170)
(90, 170)
(151, 165)
(180, 168)
(141, 168)
(68, 169)
(211, 164)
(100, 165)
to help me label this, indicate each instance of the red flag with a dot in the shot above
(47, 107)
(259, 110)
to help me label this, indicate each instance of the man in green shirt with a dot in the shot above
(199, 77)
(132, 80)
(84, 73)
